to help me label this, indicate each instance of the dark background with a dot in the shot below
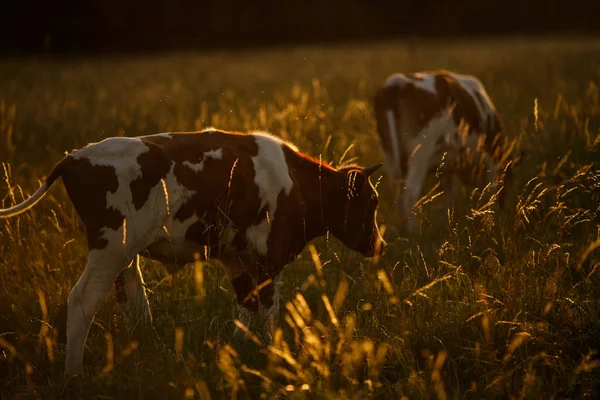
(91, 26)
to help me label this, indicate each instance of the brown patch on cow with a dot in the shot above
(87, 186)
(465, 108)
(315, 161)
(416, 106)
(301, 215)
(319, 203)
(154, 166)
(413, 108)
(225, 195)
(493, 128)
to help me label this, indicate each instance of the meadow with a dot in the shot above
(478, 305)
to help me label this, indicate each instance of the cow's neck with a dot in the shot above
(323, 195)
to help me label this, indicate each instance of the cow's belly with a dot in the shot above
(181, 246)
(174, 255)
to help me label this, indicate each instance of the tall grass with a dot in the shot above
(479, 304)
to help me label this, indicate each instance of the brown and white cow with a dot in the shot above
(250, 200)
(426, 122)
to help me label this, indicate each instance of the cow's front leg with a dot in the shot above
(247, 301)
(245, 291)
(268, 309)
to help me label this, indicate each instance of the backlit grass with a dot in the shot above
(478, 305)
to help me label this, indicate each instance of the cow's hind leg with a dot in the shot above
(85, 299)
(131, 292)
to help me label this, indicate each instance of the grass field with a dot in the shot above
(479, 305)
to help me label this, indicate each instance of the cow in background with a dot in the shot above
(429, 122)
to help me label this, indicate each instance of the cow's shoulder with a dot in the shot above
(272, 173)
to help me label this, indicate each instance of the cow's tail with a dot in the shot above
(56, 172)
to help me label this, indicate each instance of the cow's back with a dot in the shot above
(483, 116)
(236, 180)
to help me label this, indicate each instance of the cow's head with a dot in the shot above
(358, 228)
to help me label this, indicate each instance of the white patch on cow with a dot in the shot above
(113, 151)
(177, 195)
(170, 242)
(427, 140)
(144, 226)
(391, 120)
(396, 79)
(271, 177)
(469, 82)
(165, 135)
(258, 236)
(423, 157)
(424, 81)
(274, 139)
(198, 167)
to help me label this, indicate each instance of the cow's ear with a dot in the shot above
(356, 178)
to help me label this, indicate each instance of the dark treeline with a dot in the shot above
(144, 25)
